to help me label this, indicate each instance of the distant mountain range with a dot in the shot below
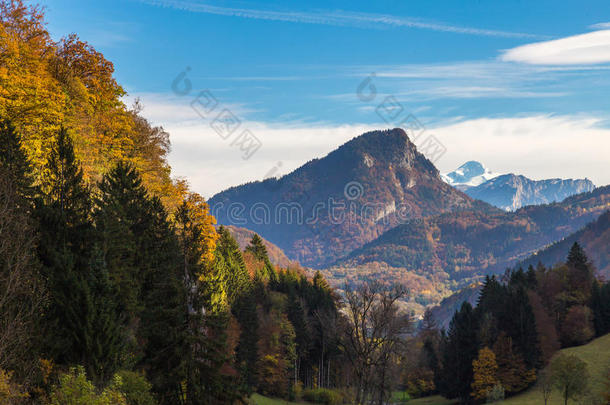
(463, 246)
(510, 191)
(376, 208)
(328, 207)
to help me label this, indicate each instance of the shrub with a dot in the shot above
(323, 396)
(10, 392)
(136, 388)
(75, 389)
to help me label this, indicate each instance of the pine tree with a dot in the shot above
(581, 274)
(258, 249)
(600, 305)
(106, 345)
(237, 278)
(163, 325)
(65, 253)
(122, 223)
(459, 350)
(17, 168)
(207, 307)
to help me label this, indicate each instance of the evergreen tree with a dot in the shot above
(163, 325)
(237, 278)
(207, 311)
(519, 322)
(106, 345)
(66, 233)
(600, 305)
(459, 350)
(581, 274)
(122, 222)
(247, 357)
(258, 249)
(17, 168)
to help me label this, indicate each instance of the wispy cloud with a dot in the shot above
(336, 18)
(590, 48)
(600, 26)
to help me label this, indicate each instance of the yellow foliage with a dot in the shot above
(10, 392)
(45, 85)
(485, 371)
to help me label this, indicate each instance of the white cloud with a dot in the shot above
(539, 146)
(589, 48)
(336, 18)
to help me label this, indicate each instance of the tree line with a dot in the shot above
(520, 321)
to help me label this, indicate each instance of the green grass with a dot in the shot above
(257, 399)
(434, 400)
(597, 356)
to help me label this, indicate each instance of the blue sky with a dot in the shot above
(520, 85)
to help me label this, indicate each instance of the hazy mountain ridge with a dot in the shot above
(392, 181)
(466, 245)
(595, 240)
(511, 191)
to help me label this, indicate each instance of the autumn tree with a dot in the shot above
(484, 373)
(577, 327)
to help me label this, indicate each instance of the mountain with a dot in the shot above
(594, 239)
(330, 206)
(470, 174)
(463, 246)
(243, 237)
(511, 192)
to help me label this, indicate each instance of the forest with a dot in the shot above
(118, 287)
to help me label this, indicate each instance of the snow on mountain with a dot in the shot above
(470, 174)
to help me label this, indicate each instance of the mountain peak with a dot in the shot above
(471, 173)
(332, 205)
(389, 147)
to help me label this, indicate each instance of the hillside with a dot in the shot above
(595, 240)
(465, 245)
(243, 237)
(597, 356)
(333, 205)
(46, 85)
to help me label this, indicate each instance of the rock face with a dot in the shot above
(510, 191)
(331, 206)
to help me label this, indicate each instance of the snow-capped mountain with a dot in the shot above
(470, 174)
(510, 191)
